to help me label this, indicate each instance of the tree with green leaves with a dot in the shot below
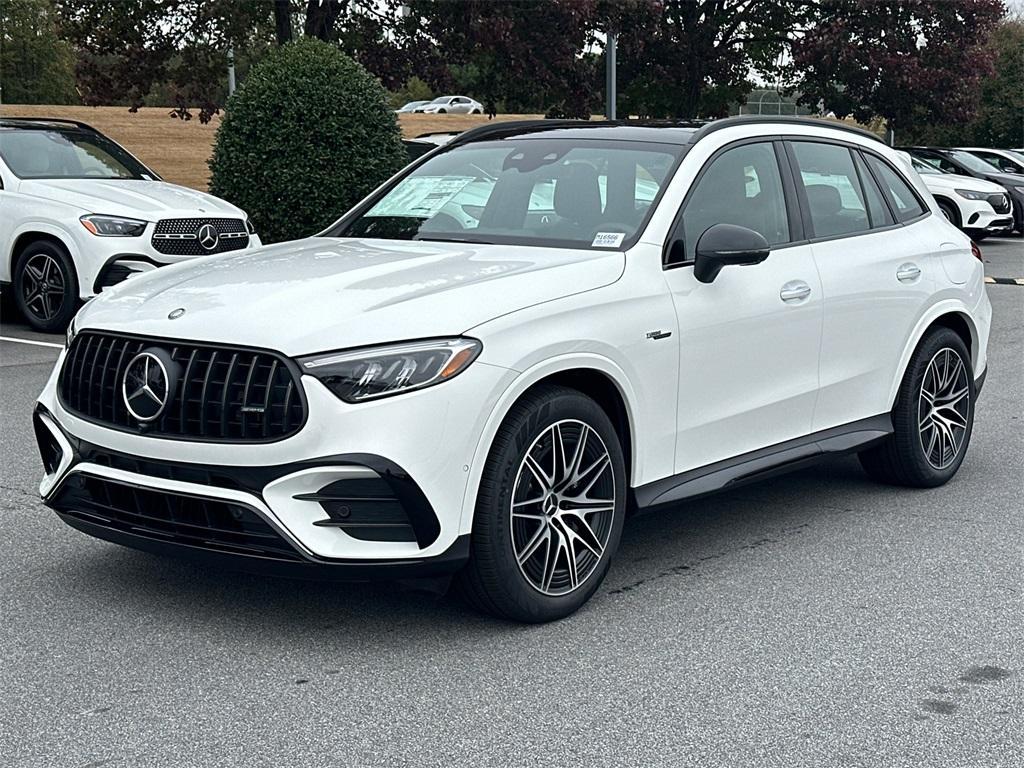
(1000, 121)
(36, 67)
(693, 58)
(307, 135)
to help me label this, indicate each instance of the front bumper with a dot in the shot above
(335, 498)
(110, 260)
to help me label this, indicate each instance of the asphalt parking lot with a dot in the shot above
(816, 619)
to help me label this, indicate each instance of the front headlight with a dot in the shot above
(971, 194)
(113, 226)
(249, 226)
(368, 374)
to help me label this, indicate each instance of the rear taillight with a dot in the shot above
(976, 251)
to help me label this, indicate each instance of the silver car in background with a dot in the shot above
(455, 105)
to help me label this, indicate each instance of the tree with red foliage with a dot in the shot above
(913, 62)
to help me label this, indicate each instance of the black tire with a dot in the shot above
(908, 456)
(493, 581)
(475, 112)
(45, 286)
(442, 111)
(978, 236)
(950, 212)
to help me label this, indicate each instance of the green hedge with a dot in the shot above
(305, 137)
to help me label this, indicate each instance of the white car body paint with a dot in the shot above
(732, 369)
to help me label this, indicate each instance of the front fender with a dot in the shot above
(515, 390)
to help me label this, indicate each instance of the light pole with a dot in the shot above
(609, 74)
(231, 71)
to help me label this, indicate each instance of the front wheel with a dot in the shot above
(45, 286)
(549, 511)
(932, 419)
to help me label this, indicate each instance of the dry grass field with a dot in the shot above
(178, 150)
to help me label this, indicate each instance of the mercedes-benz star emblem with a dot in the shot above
(147, 385)
(208, 237)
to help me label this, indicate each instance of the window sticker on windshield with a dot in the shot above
(420, 196)
(608, 240)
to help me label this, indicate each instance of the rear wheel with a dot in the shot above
(933, 417)
(550, 509)
(45, 286)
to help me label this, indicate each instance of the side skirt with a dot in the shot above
(765, 462)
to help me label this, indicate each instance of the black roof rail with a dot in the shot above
(48, 120)
(514, 127)
(817, 122)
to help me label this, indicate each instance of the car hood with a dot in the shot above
(949, 182)
(320, 294)
(149, 200)
(1006, 179)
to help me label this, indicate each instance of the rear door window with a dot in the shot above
(835, 199)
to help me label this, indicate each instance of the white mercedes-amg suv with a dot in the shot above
(80, 213)
(526, 335)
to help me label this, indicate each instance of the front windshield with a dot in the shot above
(973, 162)
(529, 191)
(922, 167)
(441, 100)
(61, 154)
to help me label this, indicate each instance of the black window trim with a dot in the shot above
(796, 228)
(805, 208)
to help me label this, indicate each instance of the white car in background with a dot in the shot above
(455, 105)
(80, 214)
(977, 207)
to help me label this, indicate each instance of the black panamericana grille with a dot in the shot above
(195, 521)
(1000, 203)
(223, 393)
(180, 237)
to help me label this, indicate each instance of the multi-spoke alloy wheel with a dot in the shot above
(932, 417)
(549, 508)
(42, 286)
(944, 407)
(562, 507)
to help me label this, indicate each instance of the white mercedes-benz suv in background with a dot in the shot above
(978, 207)
(468, 375)
(78, 214)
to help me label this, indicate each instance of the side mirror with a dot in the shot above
(724, 245)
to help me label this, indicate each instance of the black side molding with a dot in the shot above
(766, 462)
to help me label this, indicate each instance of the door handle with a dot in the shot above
(908, 273)
(795, 291)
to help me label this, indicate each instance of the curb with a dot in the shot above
(1005, 280)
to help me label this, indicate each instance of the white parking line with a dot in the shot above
(33, 343)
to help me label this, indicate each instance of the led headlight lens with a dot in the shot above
(249, 226)
(113, 226)
(971, 194)
(368, 374)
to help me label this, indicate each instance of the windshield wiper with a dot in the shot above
(420, 238)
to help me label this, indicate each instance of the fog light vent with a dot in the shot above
(364, 508)
(49, 448)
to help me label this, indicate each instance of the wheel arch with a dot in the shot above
(32, 234)
(944, 199)
(947, 314)
(593, 375)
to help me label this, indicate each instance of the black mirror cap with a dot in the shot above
(724, 245)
